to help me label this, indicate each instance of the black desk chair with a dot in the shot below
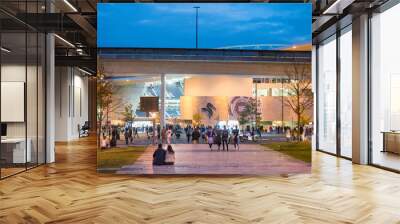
(84, 130)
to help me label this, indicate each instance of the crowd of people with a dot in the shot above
(202, 134)
(115, 134)
(303, 133)
(199, 134)
(213, 135)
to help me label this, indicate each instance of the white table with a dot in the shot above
(19, 155)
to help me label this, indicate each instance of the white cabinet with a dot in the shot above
(17, 145)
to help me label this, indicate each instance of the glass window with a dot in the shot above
(327, 95)
(346, 92)
(385, 89)
(276, 92)
(31, 97)
(15, 150)
(22, 92)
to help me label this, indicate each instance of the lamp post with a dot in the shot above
(282, 104)
(197, 26)
(256, 109)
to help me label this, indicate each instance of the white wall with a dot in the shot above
(16, 73)
(71, 103)
(12, 73)
(33, 127)
(80, 104)
(218, 85)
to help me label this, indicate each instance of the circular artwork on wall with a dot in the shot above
(237, 105)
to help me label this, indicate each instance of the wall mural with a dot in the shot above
(209, 109)
(214, 108)
(236, 105)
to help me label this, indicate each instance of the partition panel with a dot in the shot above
(14, 153)
(23, 90)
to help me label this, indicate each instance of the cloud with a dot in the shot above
(221, 12)
(219, 24)
(249, 26)
(303, 38)
(234, 18)
(145, 21)
(258, 46)
(277, 32)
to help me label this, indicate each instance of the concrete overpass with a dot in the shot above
(127, 62)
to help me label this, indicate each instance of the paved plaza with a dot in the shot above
(143, 140)
(251, 159)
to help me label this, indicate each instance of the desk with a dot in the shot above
(391, 141)
(13, 150)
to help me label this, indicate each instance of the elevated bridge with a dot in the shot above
(125, 62)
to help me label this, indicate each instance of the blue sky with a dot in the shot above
(221, 25)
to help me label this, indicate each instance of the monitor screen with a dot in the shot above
(149, 104)
(3, 129)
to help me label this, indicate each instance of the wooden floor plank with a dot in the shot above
(71, 191)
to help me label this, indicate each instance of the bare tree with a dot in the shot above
(128, 114)
(104, 98)
(250, 113)
(117, 106)
(197, 117)
(300, 97)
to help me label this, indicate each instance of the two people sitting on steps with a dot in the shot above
(163, 157)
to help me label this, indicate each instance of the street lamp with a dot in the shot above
(197, 26)
(282, 80)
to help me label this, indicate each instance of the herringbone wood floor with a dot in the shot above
(70, 191)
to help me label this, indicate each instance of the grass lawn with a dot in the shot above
(298, 150)
(118, 157)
